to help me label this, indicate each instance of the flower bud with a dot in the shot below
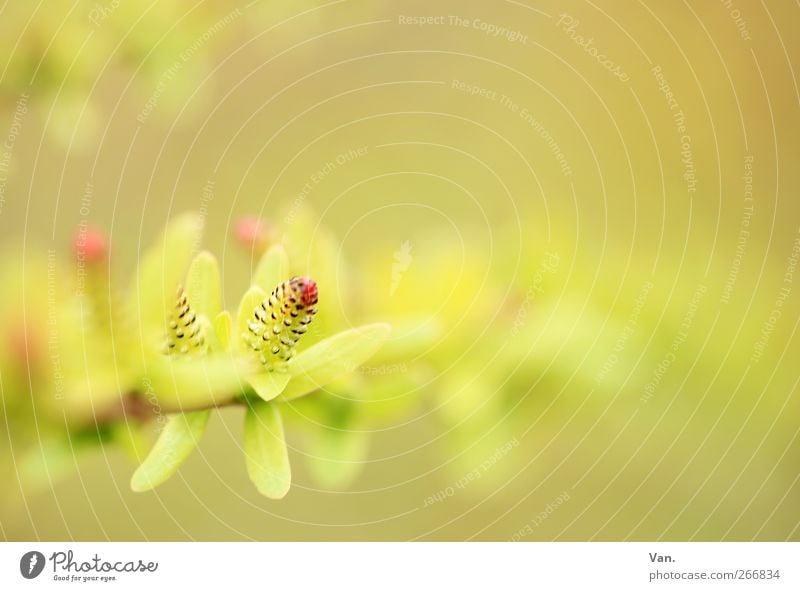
(281, 319)
(254, 234)
(89, 245)
(184, 332)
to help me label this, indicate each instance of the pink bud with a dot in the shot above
(308, 290)
(90, 245)
(253, 233)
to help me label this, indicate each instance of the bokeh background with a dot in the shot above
(587, 211)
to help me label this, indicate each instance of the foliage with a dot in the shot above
(168, 352)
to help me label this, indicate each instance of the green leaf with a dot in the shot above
(337, 457)
(265, 450)
(308, 242)
(176, 441)
(389, 398)
(162, 270)
(186, 384)
(44, 464)
(333, 358)
(203, 288)
(411, 335)
(131, 437)
(272, 269)
(222, 326)
(269, 384)
(247, 307)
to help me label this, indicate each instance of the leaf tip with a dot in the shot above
(140, 482)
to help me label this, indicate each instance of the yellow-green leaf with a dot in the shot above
(46, 463)
(203, 288)
(333, 358)
(272, 269)
(222, 326)
(337, 457)
(268, 384)
(265, 450)
(174, 444)
(162, 269)
(131, 437)
(185, 384)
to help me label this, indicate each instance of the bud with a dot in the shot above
(184, 332)
(89, 245)
(281, 319)
(254, 234)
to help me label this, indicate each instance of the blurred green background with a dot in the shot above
(613, 357)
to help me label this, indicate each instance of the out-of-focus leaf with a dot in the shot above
(272, 268)
(315, 252)
(265, 450)
(332, 358)
(462, 396)
(212, 342)
(386, 399)
(411, 336)
(161, 270)
(46, 464)
(131, 438)
(192, 383)
(174, 444)
(337, 456)
(222, 326)
(268, 384)
(203, 288)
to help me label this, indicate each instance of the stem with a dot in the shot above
(136, 406)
